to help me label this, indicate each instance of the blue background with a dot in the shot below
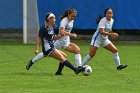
(126, 12)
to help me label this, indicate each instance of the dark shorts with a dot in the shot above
(47, 49)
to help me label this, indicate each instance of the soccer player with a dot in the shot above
(100, 38)
(66, 25)
(46, 36)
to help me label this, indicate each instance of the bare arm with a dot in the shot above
(37, 45)
(56, 37)
(111, 33)
(63, 32)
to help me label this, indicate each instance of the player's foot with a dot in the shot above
(120, 67)
(58, 73)
(30, 63)
(79, 66)
(79, 69)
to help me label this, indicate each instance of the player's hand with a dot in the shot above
(114, 35)
(36, 51)
(62, 33)
(74, 35)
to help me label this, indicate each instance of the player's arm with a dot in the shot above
(63, 32)
(37, 45)
(111, 33)
(56, 37)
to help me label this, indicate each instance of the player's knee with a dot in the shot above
(65, 56)
(92, 55)
(115, 50)
(77, 51)
(62, 59)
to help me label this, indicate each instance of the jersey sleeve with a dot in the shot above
(63, 23)
(41, 32)
(101, 23)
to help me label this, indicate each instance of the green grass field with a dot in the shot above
(14, 78)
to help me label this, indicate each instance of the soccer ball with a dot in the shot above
(87, 71)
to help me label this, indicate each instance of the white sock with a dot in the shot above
(116, 59)
(37, 57)
(78, 59)
(86, 60)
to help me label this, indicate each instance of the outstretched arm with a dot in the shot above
(37, 45)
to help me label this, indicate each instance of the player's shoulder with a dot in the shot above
(65, 19)
(112, 20)
(42, 26)
(104, 19)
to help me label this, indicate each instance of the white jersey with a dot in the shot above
(67, 25)
(64, 41)
(107, 26)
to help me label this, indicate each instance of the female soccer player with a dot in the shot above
(100, 38)
(66, 25)
(47, 35)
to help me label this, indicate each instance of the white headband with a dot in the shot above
(51, 15)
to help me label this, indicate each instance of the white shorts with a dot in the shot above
(61, 44)
(98, 43)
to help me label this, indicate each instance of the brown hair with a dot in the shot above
(67, 12)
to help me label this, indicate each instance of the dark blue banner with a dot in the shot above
(126, 12)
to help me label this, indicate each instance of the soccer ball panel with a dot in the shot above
(87, 71)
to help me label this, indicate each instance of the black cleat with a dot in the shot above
(30, 63)
(79, 69)
(58, 73)
(120, 67)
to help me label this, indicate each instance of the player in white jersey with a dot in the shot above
(66, 25)
(100, 38)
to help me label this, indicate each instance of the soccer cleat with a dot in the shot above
(58, 73)
(30, 63)
(79, 69)
(120, 67)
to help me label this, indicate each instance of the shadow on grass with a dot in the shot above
(34, 74)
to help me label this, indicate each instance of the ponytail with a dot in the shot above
(67, 12)
(98, 19)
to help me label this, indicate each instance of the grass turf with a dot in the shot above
(41, 79)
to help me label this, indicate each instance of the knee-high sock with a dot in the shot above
(37, 57)
(78, 59)
(60, 67)
(69, 65)
(86, 60)
(116, 59)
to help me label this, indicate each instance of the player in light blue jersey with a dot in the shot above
(100, 38)
(66, 25)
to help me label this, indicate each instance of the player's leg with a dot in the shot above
(57, 55)
(61, 65)
(93, 48)
(73, 48)
(35, 59)
(111, 47)
(91, 54)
